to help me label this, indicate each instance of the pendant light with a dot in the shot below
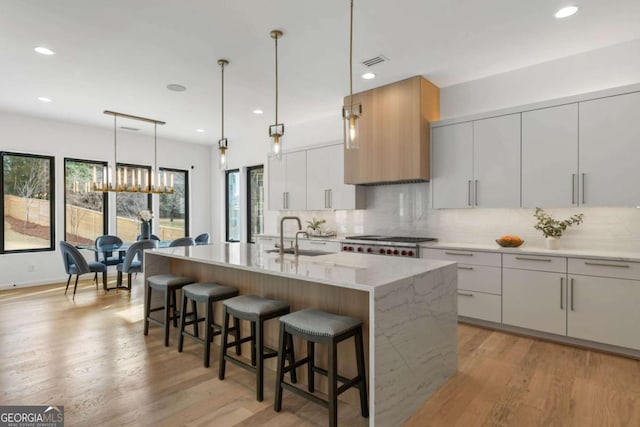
(116, 179)
(276, 130)
(351, 112)
(222, 142)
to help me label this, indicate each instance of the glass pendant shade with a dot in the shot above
(351, 121)
(276, 132)
(222, 146)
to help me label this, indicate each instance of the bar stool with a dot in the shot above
(256, 310)
(207, 293)
(320, 327)
(169, 284)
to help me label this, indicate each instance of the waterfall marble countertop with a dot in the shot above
(624, 256)
(347, 270)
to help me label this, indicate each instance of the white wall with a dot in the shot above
(613, 66)
(26, 134)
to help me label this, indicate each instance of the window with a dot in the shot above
(255, 202)
(232, 185)
(85, 211)
(27, 183)
(129, 205)
(174, 208)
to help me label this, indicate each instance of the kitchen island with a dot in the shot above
(408, 308)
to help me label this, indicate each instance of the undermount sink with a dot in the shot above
(304, 252)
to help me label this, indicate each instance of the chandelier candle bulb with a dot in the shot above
(125, 177)
(164, 179)
(95, 176)
(172, 181)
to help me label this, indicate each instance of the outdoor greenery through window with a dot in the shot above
(232, 182)
(255, 199)
(85, 211)
(129, 206)
(174, 208)
(28, 202)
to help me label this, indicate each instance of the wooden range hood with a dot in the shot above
(394, 133)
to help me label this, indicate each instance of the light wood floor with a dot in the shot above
(91, 356)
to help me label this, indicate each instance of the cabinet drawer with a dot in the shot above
(605, 268)
(480, 278)
(319, 245)
(463, 257)
(480, 306)
(535, 262)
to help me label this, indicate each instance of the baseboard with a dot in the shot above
(53, 281)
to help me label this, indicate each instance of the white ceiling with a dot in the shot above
(121, 54)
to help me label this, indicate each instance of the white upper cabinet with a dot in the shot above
(496, 162)
(288, 182)
(477, 164)
(609, 151)
(550, 157)
(325, 180)
(452, 166)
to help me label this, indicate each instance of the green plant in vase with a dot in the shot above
(552, 228)
(315, 225)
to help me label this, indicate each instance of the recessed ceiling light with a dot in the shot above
(368, 76)
(258, 111)
(199, 130)
(44, 51)
(565, 12)
(176, 87)
(44, 99)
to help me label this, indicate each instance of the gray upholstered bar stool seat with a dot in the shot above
(169, 284)
(208, 294)
(256, 310)
(316, 326)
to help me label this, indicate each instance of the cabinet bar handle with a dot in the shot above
(573, 188)
(284, 200)
(607, 265)
(561, 295)
(475, 193)
(469, 193)
(465, 295)
(523, 258)
(317, 243)
(464, 268)
(287, 200)
(571, 294)
(458, 253)
(583, 185)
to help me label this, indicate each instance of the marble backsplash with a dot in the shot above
(404, 209)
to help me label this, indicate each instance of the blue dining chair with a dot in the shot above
(134, 260)
(183, 241)
(75, 263)
(105, 257)
(202, 239)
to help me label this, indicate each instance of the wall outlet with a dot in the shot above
(31, 268)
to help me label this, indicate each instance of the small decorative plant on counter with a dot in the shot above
(315, 225)
(552, 228)
(145, 217)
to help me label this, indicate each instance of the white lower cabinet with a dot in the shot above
(535, 300)
(479, 305)
(605, 310)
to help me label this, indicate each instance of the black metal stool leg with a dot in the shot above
(253, 343)
(259, 342)
(174, 297)
(147, 310)
(292, 359)
(277, 402)
(75, 286)
(208, 318)
(236, 324)
(223, 343)
(68, 281)
(333, 384)
(311, 353)
(183, 320)
(167, 316)
(364, 406)
(194, 311)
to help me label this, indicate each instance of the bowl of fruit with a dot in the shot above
(509, 241)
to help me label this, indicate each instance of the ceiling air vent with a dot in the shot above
(374, 61)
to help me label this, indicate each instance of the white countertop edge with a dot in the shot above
(568, 253)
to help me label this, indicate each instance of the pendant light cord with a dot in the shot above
(276, 39)
(222, 90)
(115, 147)
(155, 148)
(351, 58)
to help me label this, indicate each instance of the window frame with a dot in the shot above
(187, 213)
(52, 202)
(249, 170)
(149, 195)
(105, 195)
(226, 204)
